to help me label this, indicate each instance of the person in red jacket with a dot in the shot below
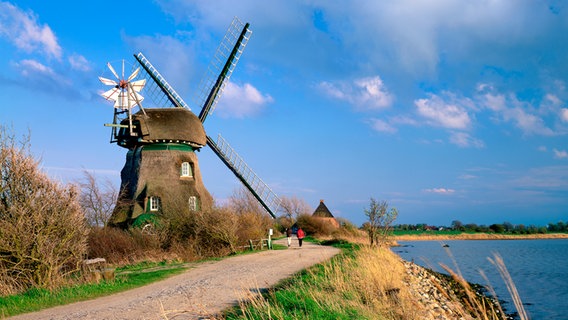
(300, 233)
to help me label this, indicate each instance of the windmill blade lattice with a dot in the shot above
(260, 190)
(157, 88)
(221, 67)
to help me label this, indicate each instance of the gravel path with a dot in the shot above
(200, 292)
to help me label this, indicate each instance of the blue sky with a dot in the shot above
(448, 110)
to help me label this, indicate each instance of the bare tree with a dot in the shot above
(43, 236)
(380, 219)
(243, 201)
(293, 207)
(253, 219)
(97, 201)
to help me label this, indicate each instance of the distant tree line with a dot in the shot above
(503, 228)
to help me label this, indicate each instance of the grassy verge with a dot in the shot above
(132, 277)
(359, 283)
(368, 283)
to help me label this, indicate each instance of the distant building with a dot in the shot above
(322, 212)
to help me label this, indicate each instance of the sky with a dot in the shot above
(446, 109)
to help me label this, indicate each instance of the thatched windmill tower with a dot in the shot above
(161, 170)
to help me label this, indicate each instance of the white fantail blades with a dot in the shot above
(138, 85)
(124, 92)
(134, 74)
(111, 94)
(108, 82)
(112, 70)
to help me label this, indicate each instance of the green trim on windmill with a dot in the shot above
(168, 146)
(144, 219)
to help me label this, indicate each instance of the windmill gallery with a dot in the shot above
(161, 168)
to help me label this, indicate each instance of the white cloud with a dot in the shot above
(440, 190)
(528, 123)
(560, 154)
(241, 101)
(464, 140)
(78, 62)
(368, 93)
(30, 67)
(447, 114)
(25, 32)
(509, 108)
(564, 114)
(42, 76)
(382, 126)
(371, 92)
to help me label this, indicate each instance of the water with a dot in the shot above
(539, 269)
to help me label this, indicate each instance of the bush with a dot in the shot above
(119, 246)
(43, 235)
(314, 226)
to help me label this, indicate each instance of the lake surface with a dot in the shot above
(539, 269)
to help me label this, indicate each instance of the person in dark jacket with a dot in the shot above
(289, 235)
(301, 234)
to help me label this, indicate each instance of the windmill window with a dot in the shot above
(154, 203)
(186, 170)
(193, 205)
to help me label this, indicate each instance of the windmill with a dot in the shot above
(161, 170)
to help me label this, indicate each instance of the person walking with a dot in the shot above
(301, 234)
(289, 235)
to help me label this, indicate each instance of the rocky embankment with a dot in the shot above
(439, 296)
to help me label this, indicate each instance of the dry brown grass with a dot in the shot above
(369, 285)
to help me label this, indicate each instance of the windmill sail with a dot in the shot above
(222, 66)
(260, 190)
(159, 89)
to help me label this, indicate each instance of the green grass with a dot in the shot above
(127, 277)
(38, 299)
(293, 297)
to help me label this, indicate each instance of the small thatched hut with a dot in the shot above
(322, 212)
(161, 171)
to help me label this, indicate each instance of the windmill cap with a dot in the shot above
(168, 124)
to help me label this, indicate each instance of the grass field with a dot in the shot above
(127, 278)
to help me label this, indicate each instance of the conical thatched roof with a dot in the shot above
(158, 125)
(322, 211)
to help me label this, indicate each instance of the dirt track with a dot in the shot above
(201, 291)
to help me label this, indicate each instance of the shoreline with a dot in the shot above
(478, 236)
